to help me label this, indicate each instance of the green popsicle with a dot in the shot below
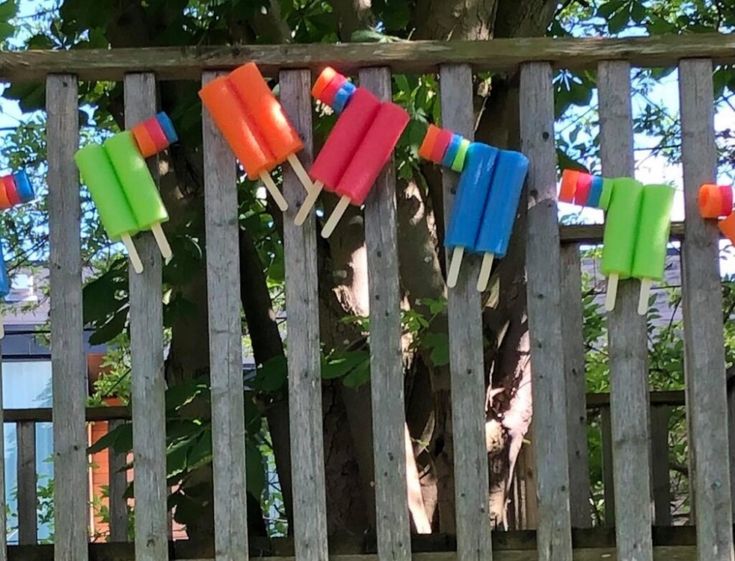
(653, 232)
(107, 193)
(136, 180)
(621, 227)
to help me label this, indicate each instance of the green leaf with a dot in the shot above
(110, 329)
(254, 470)
(272, 375)
(438, 344)
(343, 364)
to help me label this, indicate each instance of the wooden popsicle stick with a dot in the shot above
(132, 253)
(487, 265)
(643, 296)
(308, 203)
(162, 242)
(612, 291)
(301, 173)
(273, 190)
(454, 264)
(337, 213)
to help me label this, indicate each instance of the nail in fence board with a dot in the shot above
(26, 450)
(67, 350)
(702, 309)
(146, 347)
(544, 320)
(304, 368)
(627, 342)
(386, 364)
(465, 350)
(576, 386)
(225, 344)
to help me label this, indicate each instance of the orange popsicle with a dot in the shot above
(266, 113)
(232, 120)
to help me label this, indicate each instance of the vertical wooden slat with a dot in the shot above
(702, 308)
(27, 520)
(3, 514)
(225, 344)
(544, 320)
(465, 351)
(146, 345)
(386, 366)
(661, 479)
(117, 486)
(607, 465)
(627, 342)
(304, 372)
(67, 349)
(576, 385)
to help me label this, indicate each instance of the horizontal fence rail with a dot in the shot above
(188, 63)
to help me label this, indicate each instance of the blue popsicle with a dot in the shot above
(342, 97)
(500, 210)
(472, 193)
(23, 187)
(452, 150)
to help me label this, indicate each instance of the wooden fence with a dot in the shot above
(553, 278)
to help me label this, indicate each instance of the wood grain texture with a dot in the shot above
(607, 465)
(146, 347)
(544, 320)
(627, 342)
(304, 368)
(466, 366)
(576, 386)
(117, 485)
(702, 310)
(225, 344)
(67, 349)
(27, 496)
(386, 362)
(188, 63)
(660, 477)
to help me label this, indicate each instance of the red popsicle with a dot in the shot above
(340, 147)
(373, 154)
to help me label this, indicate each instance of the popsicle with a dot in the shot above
(372, 155)
(4, 285)
(469, 204)
(715, 200)
(108, 195)
(269, 118)
(24, 187)
(569, 178)
(584, 189)
(727, 227)
(621, 232)
(500, 210)
(228, 113)
(340, 147)
(139, 187)
(653, 236)
(15, 189)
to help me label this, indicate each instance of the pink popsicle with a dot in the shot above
(374, 152)
(344, 140)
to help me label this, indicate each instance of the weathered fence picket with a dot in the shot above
(225, 344)
(304, 358)
(386, 360)
(576, 386)
(554, 537)
(117, 486)
(146, 346)
(67, 351)
(471, 487)
(27, 496)
(627, 342)
(660, 478)
(703, 337)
